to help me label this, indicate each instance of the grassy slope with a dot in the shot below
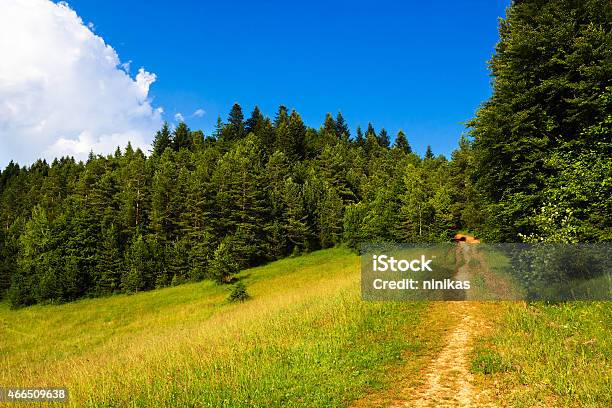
(546, 355)
(542, 355)
(305, 338)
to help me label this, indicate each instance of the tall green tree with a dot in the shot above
(163, 140)
(342, 129)
(359, 139)
(401, 143)
(109, 268)
(383, 138)
(181, 137)
(235, 128)
(551, 90)
(429, 153)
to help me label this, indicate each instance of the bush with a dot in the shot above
(238, 293)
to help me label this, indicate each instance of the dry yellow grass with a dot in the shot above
(304, 338)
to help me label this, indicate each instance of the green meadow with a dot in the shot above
(304, 338)
(548, 355)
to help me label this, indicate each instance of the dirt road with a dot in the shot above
(447, 380)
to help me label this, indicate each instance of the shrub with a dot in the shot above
(238, 293)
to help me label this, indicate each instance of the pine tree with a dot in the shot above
(129, 151)
(342, 129)
(291, 140)
(33, 244)
(7, 261)
(235, 128)
(295, 223)
(429, 153)
(223, 266)
(103, 198)
(166, 203)
(330, 218)
(353, 231)
(276, 172)
(109, 268)
(199, 215)
(401, 143)
(550, 107)
(162, 140)
(371, 141)
(77, 233)
(282, 116)
(218, 129)
(197, 139)
(138, 274)
(256, 122)
(383, 139)
(134, 205)
(359, 139)
(240, 200)
(414, 211)
(177, 260)
(181, 137)
(328, 134)
(330, 126)
(282, 140)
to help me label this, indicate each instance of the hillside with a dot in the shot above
(304, 338)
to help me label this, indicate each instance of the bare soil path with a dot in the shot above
(446, 380)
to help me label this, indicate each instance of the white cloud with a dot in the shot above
(63, 91)
(126, 66)
(199, 113)
(179, 117)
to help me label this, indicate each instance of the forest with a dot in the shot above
(534, 166)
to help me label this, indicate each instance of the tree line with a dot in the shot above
(206, 207)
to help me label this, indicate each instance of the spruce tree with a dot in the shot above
(383, 139)
(292, 144)
(550, 107)
(359, 139)
(223, 266)
(401, 143)
(330, 218)
(162, 140)
(181, 137)
(429, 153)
(235, 128)
(342, 129)
(138, 274)
(177, 260)
(109, 268)
(282, 116)
(295, 223)
(256, 122)
(371, 141)
(330, 126)
(7, 259)
(166, 203)
(33, 244)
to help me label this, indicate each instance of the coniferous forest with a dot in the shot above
(535, 165)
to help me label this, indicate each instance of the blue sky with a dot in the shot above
(415, 65)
